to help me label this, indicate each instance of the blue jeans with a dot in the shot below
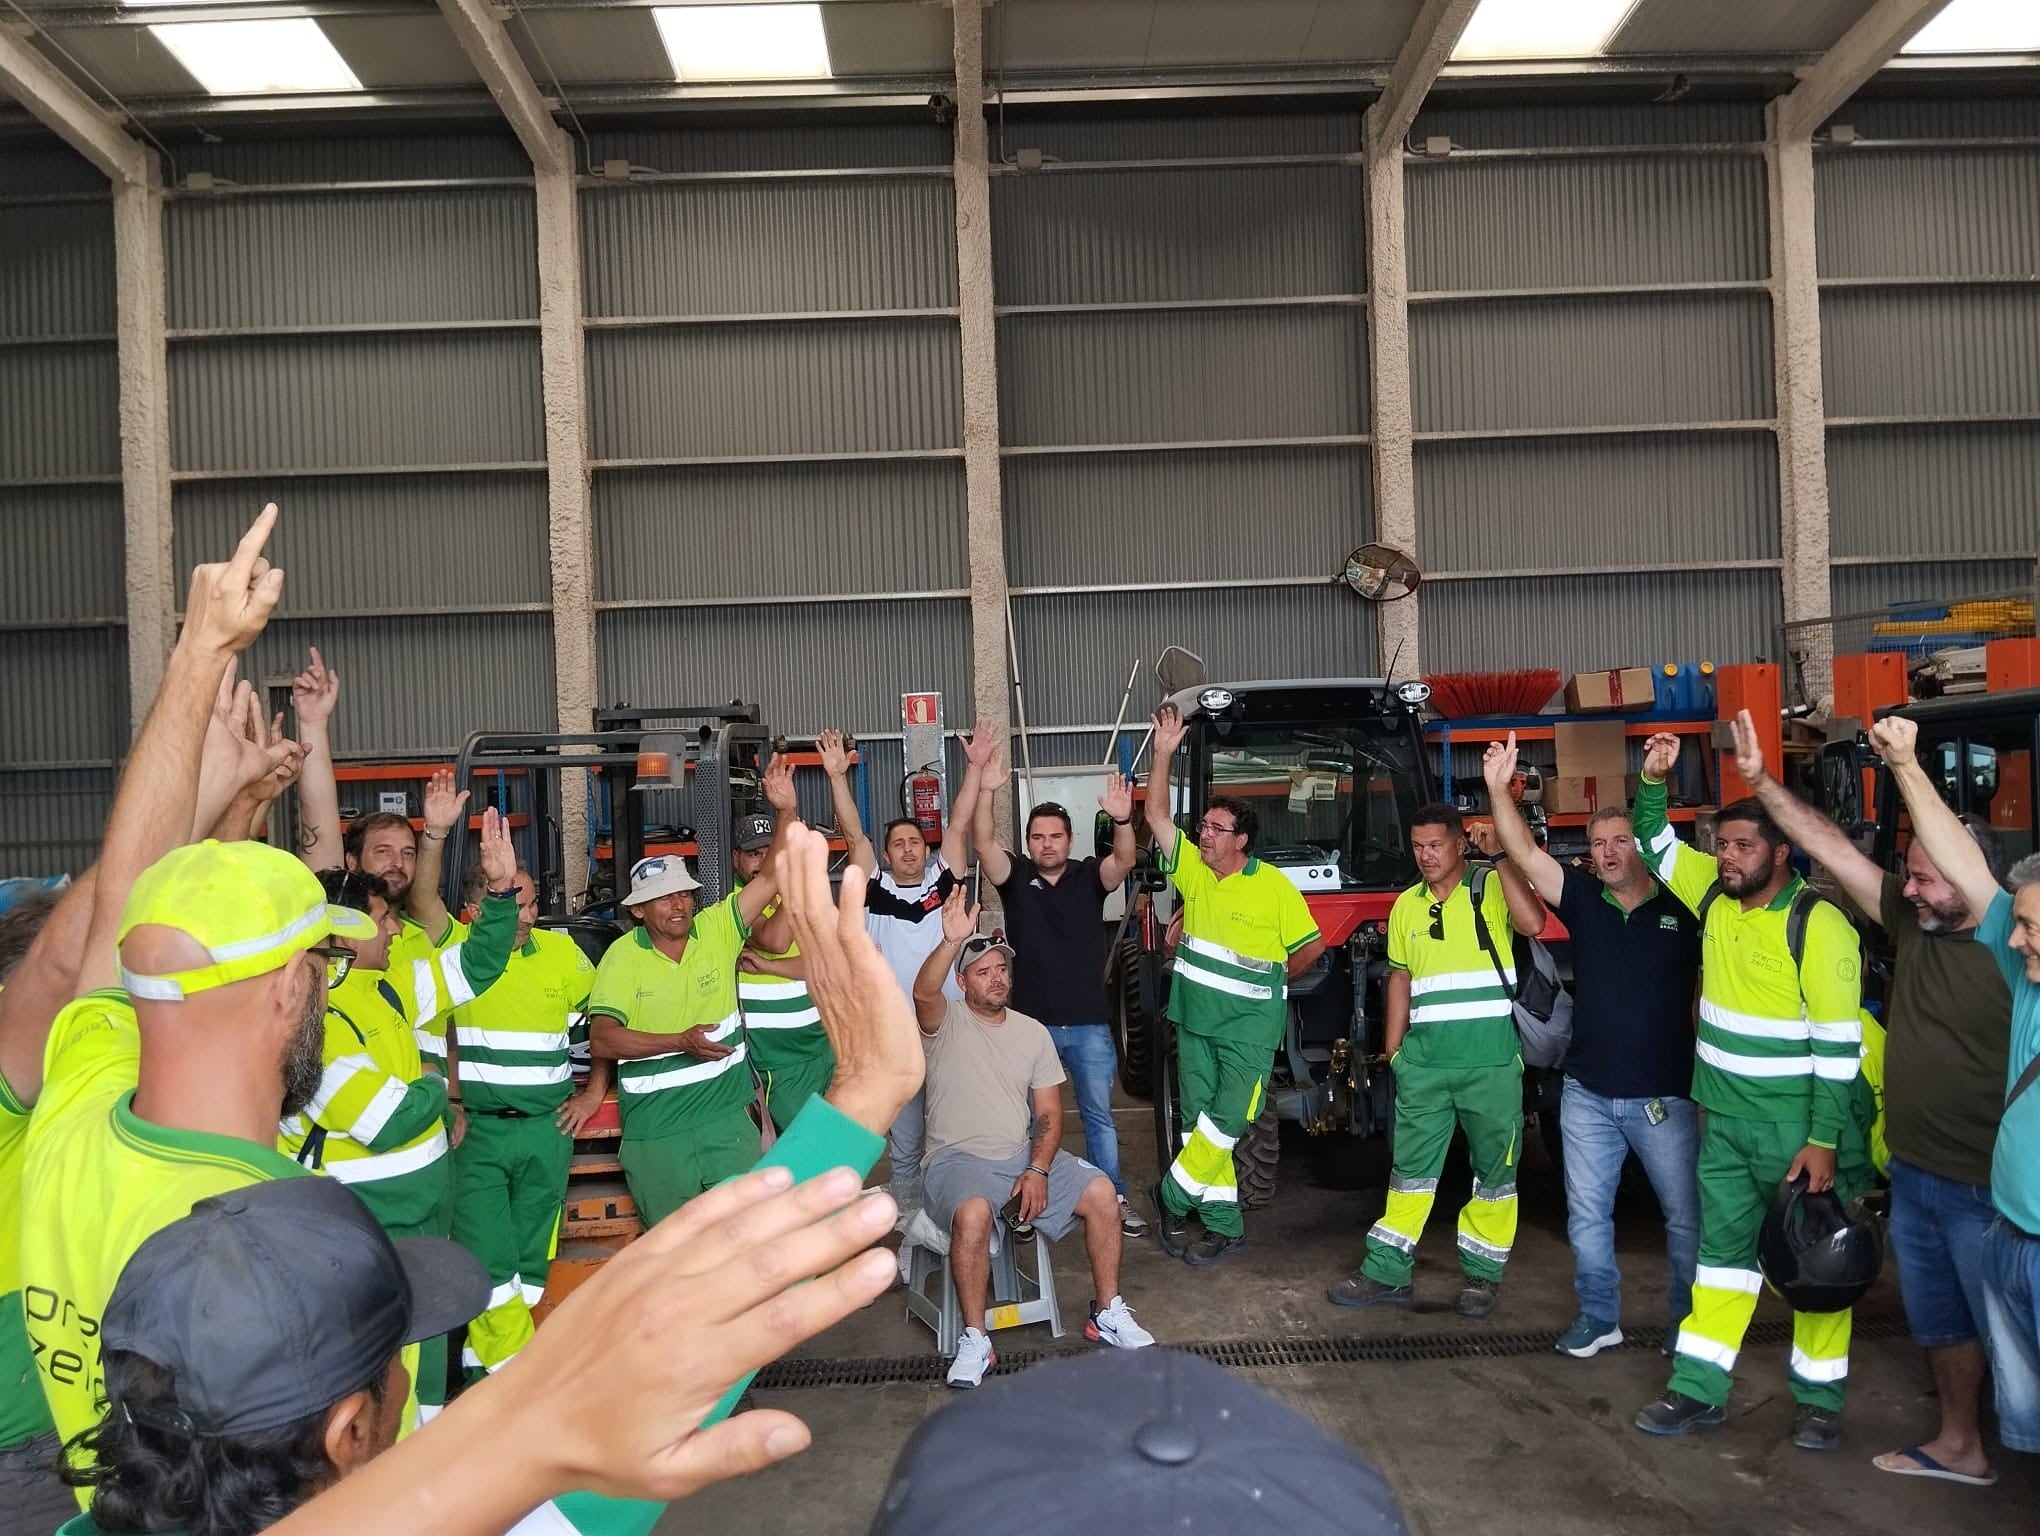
(1086, 1053)
(1937, 1231)
(905, 1139)
(1599, 1133)
(2011, 1300)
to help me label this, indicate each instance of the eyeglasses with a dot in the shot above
(1216, 829)
(338, 961)
(1438, 921)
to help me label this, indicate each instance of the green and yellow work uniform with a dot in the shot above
(1460, 1063)
(24, 1412)
(1776, 1069)
(789, 1048)
(513, 1053)
(1230, 1002)
(686, 1125)
(95, 1183)
(410, 946)
(378, 1120)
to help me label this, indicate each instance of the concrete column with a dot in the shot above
(144, 435)
(562, 372)
(1392, 450)
(990, 675)
(1796, 363)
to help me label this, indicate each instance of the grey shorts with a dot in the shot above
(953, 1178)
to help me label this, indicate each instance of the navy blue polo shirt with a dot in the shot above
(1633, 980)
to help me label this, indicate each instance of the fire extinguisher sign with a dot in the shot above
(925, 792)
(921, 709)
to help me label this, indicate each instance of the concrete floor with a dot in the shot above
(1524, 1443)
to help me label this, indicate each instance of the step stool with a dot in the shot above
(1016, 1297)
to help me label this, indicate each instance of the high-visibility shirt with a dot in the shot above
(96, 1183)
(23, 1412)
(781, 1024)
(382, 1113)
(1232, 975)
(1776, 1043)
(518, 1039)
(1460, 1013)
(411, 945)
(641, 988)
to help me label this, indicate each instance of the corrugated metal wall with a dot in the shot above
(363, 351)
(63, 645)
(775, 413)
(1597, 479)
(1183, 401)
(1930, 330)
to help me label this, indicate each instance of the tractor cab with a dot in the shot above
(1334, 770)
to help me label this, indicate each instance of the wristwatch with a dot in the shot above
(1499, 856)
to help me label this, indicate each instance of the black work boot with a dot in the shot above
(1361, 1289)
(1477, 1298)
(1171, 1230)
(1816, 1429)
(1677, 1414)
(1212, 1247)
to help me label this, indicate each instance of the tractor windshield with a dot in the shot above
(1328, 795)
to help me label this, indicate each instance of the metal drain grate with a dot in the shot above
(1261, 1354)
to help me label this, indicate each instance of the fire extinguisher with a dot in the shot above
(922, 797)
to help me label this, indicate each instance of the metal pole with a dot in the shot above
(1119, 719)
(1020, 708)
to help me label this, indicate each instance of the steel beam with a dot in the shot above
(1424, 54)
(48, 93)
(981, 490)
(486, 42)
(1857, 55)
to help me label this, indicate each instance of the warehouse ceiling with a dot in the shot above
(167, 62)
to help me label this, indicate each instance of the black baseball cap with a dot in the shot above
(754, 832)
(269, 1304)
(1136, 1442)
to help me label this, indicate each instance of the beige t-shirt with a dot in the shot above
(981, 1082)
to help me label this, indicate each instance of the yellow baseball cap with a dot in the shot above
(255, 909)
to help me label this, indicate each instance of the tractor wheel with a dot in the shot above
(1255, 1157)
(1131, 1030)
(1168, 1141)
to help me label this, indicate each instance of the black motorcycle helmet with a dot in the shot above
(1816, 1253)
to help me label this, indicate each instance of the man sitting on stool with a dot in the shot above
(993, 1078)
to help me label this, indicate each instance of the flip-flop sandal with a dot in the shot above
(1926, 1466)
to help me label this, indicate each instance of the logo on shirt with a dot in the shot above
(1669, 921)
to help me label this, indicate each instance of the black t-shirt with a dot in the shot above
(1633, 976)
(1057, 931)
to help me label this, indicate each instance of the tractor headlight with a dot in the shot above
(1217, 700)
(1414, 694)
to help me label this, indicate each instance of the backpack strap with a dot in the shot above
(2026, 1080)
(1708, 899)
(1796, 922)
(1481, 872)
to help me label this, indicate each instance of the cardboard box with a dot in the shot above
(1624, 688)
(1582, 796)
(1591, 749)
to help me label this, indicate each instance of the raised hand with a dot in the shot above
(315, 692)
(1896, 740)
(445, 806)
(499, 855)
(230, 602)
(1660, 756)
(834, 748)
(959, 921)
(1170, 729)
(1117, 801)
(1749, 752)
(879, 1057)
(1498, 765)
(982, 745)
(1484, 838)
(777, 783)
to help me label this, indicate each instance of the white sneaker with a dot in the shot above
(1113, 1324)
(974, 1356)
(1131, 1222)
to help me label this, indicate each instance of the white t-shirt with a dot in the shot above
(905, 922)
